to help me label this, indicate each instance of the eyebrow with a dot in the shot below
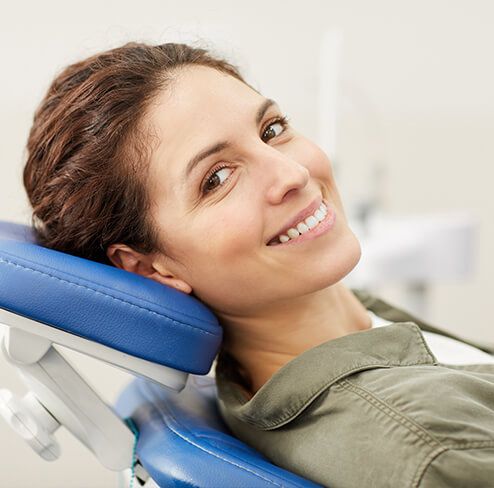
(220, 146)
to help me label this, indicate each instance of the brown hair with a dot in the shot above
(85, 174)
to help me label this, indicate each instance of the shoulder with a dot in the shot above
(406, 422)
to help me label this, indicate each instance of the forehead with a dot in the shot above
(200, 106)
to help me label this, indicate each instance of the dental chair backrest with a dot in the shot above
(159, 334)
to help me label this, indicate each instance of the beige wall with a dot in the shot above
(424, 68)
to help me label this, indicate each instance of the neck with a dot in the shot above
(264, 343)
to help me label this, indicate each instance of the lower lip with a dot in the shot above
(322, 228)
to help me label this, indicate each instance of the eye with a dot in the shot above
(211, 178)
(209, 182)
(282, 121)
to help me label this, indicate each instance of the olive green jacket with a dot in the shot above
(373, 409)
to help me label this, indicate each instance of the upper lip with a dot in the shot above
(302, 215)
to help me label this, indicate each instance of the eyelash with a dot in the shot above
(283, 121)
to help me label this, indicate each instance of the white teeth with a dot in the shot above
(311, 222)
(319, 215)
(303, 227)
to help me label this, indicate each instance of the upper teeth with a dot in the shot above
(304, 226)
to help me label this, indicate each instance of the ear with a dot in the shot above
(147, 265)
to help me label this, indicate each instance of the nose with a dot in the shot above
(284, 175)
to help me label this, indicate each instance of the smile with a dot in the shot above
(315, 225)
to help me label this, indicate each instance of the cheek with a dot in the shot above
(314, 159)
(237, 237)
(223, 239)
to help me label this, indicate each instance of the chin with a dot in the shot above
(354, 250)
(345, 258)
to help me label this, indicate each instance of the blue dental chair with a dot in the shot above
(165, 429)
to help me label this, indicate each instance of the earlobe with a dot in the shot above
(176, 283)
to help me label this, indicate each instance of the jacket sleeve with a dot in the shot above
(472, 466)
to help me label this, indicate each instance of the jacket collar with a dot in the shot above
(292, 388)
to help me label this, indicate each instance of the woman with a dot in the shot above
(164, 161)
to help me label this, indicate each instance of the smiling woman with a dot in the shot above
(163, 161)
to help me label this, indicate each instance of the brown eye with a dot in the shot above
(213, 181)
(282, 121)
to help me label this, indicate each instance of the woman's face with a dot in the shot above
(216, 220)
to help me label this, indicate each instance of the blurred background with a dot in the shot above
(400, 94)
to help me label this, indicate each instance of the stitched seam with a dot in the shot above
(434, 454)
(422, 359)
(306, 401)
(212, 440)
(406, 422)
(468, 445)
(191, 442)
(5, 260)
(416, 329)
(422, 467)
(106, 295)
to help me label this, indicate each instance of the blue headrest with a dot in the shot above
(113, 307)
